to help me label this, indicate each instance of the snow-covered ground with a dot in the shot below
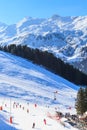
(23, 83)
(24, 115)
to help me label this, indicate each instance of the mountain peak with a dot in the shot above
(56, 16)
(3, 24)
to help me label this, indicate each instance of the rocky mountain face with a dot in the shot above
(65, 37)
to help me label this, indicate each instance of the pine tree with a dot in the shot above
(80, 102)
(86, 98)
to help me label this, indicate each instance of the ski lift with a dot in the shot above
(55, 94)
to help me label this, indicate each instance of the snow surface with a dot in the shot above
(26, 84)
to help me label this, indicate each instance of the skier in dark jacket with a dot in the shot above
(33, 125)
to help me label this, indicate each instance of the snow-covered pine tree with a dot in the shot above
(80, 101)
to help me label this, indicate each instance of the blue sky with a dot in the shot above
(12, 11)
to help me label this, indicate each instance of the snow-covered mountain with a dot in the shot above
(24, 83)
(65, 37)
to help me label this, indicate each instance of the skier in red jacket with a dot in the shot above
(44, 121)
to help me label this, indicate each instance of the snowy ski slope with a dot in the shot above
(26, 83)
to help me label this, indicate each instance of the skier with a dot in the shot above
(27, 110)
(35, 105)
(44, 121)
(33, 125)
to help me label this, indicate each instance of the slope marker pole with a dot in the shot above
(10, 112)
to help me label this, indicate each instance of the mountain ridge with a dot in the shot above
(65, 37)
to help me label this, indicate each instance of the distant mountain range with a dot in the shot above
(65, 37)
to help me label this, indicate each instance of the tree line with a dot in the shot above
(49, 61)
